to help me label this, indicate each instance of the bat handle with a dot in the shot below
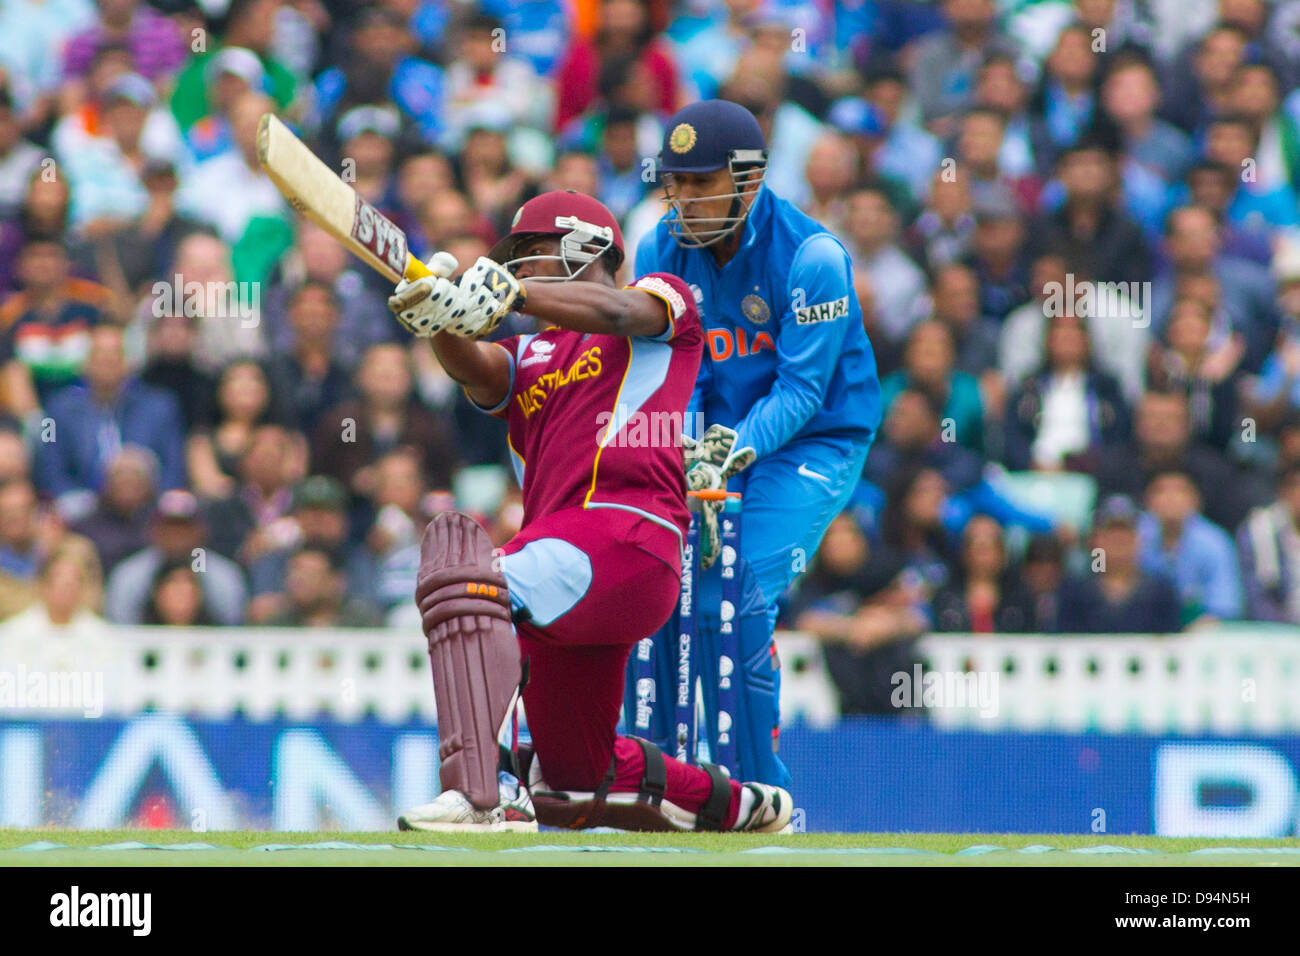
(415, 269)
(444, 264)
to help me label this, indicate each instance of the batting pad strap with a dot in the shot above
(654, 778)
(461, 591)
(714, 812)
(602, 791)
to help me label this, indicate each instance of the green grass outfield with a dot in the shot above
(238, 848)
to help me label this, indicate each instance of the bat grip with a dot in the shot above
(415, 269)
(443, 265)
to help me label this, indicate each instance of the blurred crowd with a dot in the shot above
(1076, 239)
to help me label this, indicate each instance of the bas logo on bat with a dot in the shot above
(822, 311)
(374, 231)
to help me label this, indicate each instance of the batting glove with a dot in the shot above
(422, 305)
(486, 293)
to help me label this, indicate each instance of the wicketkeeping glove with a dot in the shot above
(710, 462)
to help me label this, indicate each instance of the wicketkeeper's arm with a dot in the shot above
(808, 346)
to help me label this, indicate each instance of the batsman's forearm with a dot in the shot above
(594, 307)
(481, 367)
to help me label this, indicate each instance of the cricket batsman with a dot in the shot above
(788, 382)
(597, 563)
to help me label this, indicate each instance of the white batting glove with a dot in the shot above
(485, 294)
(424, 307)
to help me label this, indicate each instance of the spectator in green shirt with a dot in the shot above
(248, 24)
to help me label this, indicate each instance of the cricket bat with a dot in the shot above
(318, 193)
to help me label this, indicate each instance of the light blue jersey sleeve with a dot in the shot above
(647, 261)
(808, 345)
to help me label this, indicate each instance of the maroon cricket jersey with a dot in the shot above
(595, 420)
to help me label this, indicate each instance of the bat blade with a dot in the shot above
(316, 191)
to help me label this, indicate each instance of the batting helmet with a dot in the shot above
(702, 138)
(587, 230)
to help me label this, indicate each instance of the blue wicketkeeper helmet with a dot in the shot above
(705, 137)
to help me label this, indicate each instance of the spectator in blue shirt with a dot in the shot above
(1212, 185)
(912, 437)
(1257, 206)
(1026, 147)
(382, 67)
(1244, 291)
(1200, 78)
(1175, 540)
(944, 64)
(538, 29)
(87, 425)
(1115, 596)
(1130, 96)
(622, 174)
(1278, 386)
(1067, 94)
(893, 145)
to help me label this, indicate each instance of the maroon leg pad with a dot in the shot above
(465, 607)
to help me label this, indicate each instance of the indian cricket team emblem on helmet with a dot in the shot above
(755, 309)
(682, 138)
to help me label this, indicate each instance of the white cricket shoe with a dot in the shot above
(764, 809)
(451, 812)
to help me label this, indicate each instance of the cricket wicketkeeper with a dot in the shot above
(597, 563)
(788, 385)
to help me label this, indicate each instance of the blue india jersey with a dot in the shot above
(786, 357)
